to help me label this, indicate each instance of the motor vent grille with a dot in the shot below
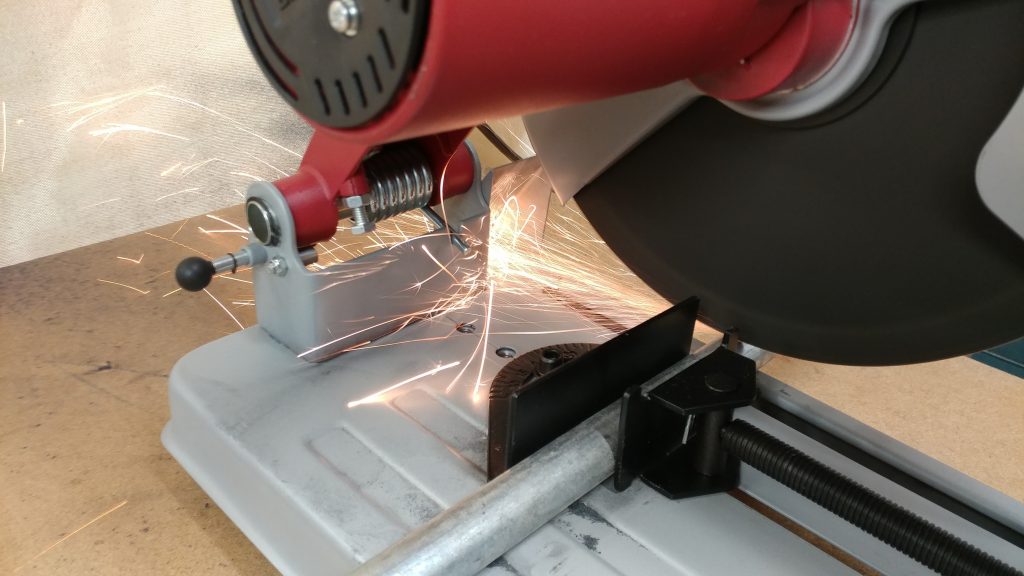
(331, 78)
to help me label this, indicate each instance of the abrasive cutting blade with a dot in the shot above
(855, 237)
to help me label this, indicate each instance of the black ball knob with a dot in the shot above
(194, 273)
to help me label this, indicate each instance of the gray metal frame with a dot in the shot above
(982, 498)
(469, 535)
(323, 482)
(321, 487)
(318, 314)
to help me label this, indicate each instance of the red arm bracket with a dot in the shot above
(331, 168)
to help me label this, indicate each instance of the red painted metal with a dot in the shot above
(324, 176)
(329, 168)
(801, 52)
(554, 53)
(456, 175)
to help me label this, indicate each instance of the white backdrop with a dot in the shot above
(121, 115)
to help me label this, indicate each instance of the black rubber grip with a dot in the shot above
(195, 273)
(882, 518)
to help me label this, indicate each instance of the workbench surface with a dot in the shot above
(88, 339)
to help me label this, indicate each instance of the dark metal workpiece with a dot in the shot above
(522, 418)
(669, 436)
(513, 378)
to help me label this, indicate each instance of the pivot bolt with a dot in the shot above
(344, 17)
(262, 222)
(277, 266)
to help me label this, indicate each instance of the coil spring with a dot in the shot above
(400, 180)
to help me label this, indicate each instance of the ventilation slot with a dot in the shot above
(323, 97)
(342, 97)
(359, 86)
(387, 47)
(376, 74)
(262, 57)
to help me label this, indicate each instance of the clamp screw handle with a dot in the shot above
(194, 273)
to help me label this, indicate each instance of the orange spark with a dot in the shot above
(224, 308)
(110, 129)
(268, 164)
(233, 278)
(100, 106)
(3, 155)
(133, 260)
(228, 222)
(378, 396)
(169, 170)
(436, 261)
(246, 175)
(183, 222)
(76, 531)
(591, 329)
(200, 252)
(406, 317)
(186, 170)
(363, 346)
(487, 333)
(185, 191)
(101, 203)
(143, 292)
(212, 232)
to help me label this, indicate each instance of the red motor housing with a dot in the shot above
(410, 69)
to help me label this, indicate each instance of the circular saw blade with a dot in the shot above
(857, 237)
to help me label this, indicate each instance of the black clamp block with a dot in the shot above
(531, 405)
(670, 436)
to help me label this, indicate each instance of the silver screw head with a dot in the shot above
(277, 266)
(344, 16)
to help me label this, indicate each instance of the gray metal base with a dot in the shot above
(320, 487)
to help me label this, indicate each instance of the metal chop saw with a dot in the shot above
(835, 180)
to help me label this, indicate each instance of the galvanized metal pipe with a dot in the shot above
(467, 537)
(470, 535)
